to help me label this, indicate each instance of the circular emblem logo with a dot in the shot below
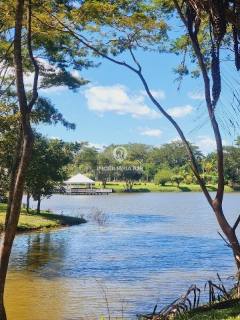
(120, 153)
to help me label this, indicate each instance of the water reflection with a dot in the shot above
(149, 251)
(38, 252)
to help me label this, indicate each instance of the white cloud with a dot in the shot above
(98, 146)
(54, 89)
(176, 139)
(151, 132)
(117, 99)
(29, 78)
(157, 94)
(196, 95)
(207, 144)
(179, 112)
(75, 74)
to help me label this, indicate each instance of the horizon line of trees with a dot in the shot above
(147, 163)
(54, 160)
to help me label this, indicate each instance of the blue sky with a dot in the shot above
(114, 108)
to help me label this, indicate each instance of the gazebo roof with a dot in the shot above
(79, 179)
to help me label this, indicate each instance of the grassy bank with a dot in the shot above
(151, 187)
(231, 313)
(225, 310)
(44, 220)
(226, 314)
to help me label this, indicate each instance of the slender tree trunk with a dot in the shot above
(25, 145)
(38, 204)
(14, 212)
(28, 201)
(212, 90)
(14, 168)
(229, 232)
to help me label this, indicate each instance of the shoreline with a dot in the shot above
(46, 220)
(151, 187)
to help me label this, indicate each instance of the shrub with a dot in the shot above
(99, 217)
(188, 179)
(163, 176)
(177, 179)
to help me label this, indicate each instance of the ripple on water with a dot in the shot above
(149, 251)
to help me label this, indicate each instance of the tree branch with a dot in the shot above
(192, 158)
(7, 52)
(138, 71)
(210, 106)
(87, 44)
(34, 62)
(226, 242)
(236, 223)
(135, 60)
(22, 99)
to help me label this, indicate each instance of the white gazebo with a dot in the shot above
(79, 181)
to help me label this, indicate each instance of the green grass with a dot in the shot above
(46, 219)
(151, 187)
(232, 313)
(225, 310)
(228, 310)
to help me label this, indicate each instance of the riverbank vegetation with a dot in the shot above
(222, 304)
(229, 310)
(32, 220)
(151, 168)
(232, 313)
(120, 187)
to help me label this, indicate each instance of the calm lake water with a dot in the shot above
(152, 247)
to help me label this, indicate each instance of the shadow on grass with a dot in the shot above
(212, 188)
(137, 190)
(188, 189)
(184, 189)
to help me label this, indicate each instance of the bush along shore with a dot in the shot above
(44, 220)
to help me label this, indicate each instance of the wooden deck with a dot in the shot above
(90, 192)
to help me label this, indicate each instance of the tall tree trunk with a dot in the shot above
(8, 235)
(25, 144)
(14, 169)
(229, 232)
(38, 204)
(212, 90)
(28, 201)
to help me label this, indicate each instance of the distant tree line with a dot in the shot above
(168, 163)
(53, 161)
